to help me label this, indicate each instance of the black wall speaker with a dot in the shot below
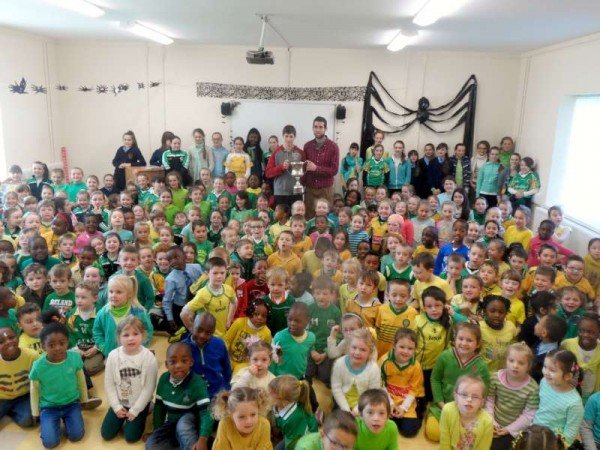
(340, 112)
(226, 109)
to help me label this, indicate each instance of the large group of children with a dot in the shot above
(410, 307)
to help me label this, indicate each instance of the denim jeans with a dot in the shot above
(182, 434)
(50, 418)
(18, 409)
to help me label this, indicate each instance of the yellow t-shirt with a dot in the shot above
(336, 277)
(228, 437)
(583, 285)
(523, 237)
(216, 303)
(422, 249)
(236, 341)
(420, 286)
(459, 301)
(311, 262)
(15, 379)
(345, 295)
(494, 344)
(30, 343)
(292, 263)
(592, 273)
(302, 246)
(367, 313)
(516, 315)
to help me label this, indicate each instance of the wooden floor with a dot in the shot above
(14, 438)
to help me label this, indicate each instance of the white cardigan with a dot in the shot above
(342, 380)
(139, 387)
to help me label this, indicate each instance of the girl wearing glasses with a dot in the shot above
(464, 423)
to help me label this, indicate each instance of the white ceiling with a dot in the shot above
(479, 25)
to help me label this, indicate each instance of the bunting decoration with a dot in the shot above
(20, 87)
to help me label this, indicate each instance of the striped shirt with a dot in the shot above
(355, 238)
(514, 406)
(562, 412)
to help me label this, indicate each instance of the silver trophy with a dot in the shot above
(297, 171)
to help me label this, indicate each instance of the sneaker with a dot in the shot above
(178, 336)
(92, 403)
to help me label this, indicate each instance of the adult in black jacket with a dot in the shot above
(127, 155)
(252, 147)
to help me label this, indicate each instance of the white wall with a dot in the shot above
(91, 125)
(549, 78)
(29, 121)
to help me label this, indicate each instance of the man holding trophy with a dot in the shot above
(286, 166)
(322, 166)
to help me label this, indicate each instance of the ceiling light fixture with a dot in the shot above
(434, 9)
(401, 40)
(146, 32)
(80, 6)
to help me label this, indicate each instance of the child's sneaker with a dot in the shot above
(178, 336)
(92, 403)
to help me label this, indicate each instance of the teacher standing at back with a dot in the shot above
(322, 166)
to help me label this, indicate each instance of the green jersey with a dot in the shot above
(64, 303)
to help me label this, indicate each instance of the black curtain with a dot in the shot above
(442, 119)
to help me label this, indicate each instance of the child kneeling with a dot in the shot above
(52, 401)
(130, 378)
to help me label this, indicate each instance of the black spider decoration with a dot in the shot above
(423, 111)
(101, 89)
(154, 84)
(141, 85)
(393, 117)
(18, 87)
(39, 89)
(123, 87)
(85, 88)
(62, 87)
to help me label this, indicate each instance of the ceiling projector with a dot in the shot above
(260, 56)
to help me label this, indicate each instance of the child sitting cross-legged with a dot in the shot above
(15, 365)
(246, 331)
(181, 415)
(210, 357)
(356, 372)
(464, 419)
(80, 322)
(513, 396)
(402, 376)
(256, 375)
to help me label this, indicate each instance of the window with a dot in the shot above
(576, 169)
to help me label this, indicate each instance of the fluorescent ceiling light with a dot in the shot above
(401, 40)
(80, 6)
(148, 33)
(434, 9)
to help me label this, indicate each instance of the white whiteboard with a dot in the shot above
(270, 118)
